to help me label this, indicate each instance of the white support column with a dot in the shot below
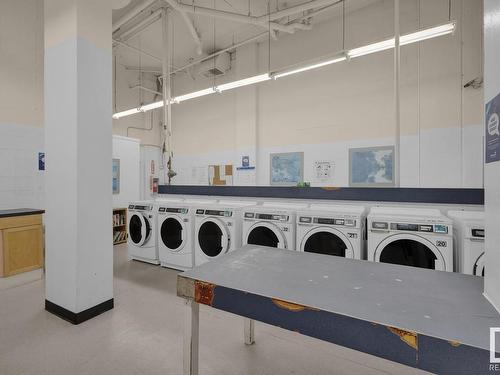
(397, 94)
(191, 338)
(249, 330)
(492, 170)
(78, 109)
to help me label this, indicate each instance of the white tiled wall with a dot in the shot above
(21, 183)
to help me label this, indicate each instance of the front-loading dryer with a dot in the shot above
(410, 236)
(176, 234)
(468, 231)
(217, 230)
(272, 224)
(332, 230)
(142, 242)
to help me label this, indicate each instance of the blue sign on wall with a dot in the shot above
(492, 139)
(41, 161)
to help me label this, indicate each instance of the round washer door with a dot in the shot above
(328, 241)
(139, 229)
(173, 233)
(213, 238)
(410, 250)
(479, 266)
(266, 234)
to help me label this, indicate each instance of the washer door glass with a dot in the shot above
(408, 252)
(171, 233)
(263, 236)
(139, 229)
(327, 243)
(211, 239)
(479, 266)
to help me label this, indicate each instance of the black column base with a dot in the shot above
(77, 318)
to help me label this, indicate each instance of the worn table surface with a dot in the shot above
(444, 305)
(20, 212)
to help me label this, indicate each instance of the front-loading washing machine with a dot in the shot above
(175, 234)
(411, 237)
(468, 231)
(271, 224)
(142, 242)
(217, 230)
(332, 230)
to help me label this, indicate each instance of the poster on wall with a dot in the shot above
(323, 171)
(492, 139)
(286, 169)
(372, 166)
(220, 175)
(41, 161)
(116, 176)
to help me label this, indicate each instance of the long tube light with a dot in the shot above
(414, 37)
(309, 67)
(244, 82)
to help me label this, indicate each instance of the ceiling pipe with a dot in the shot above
(141, 26)
(298, 9)
(132, 13)
(136, 49)
(189, 23)
(236, 17)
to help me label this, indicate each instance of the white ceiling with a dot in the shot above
(215, 33)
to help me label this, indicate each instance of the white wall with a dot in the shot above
(327, 111)
(492, 170)
(127, 150)
(21, 103)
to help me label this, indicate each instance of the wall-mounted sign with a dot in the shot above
(492, 138)
(116, 176)
(323, 171)
(372, 166)
(41, 161)
(287, 169)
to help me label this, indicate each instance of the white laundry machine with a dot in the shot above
(410, 236)
(271, 224)
(468, 231)
(218, 230)
(175, 234)
(142, 241)
(332, 230)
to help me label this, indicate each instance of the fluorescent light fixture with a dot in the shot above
(244, 82)
(193, 95)
(309, 67)
(425, 34)
(128, 112)
(151, 106)
(417, 36)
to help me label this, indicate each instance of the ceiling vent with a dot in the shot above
(215, 67)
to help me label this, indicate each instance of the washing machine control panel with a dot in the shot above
(272, 217)
(327, 221)
(477, 233)
(173, 210)
(140, 208)
(411, 227)
(223, 213)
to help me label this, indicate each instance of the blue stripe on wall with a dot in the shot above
(407, 195)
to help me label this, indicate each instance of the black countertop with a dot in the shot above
(20, 212)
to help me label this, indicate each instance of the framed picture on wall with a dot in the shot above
(116, 176)
(372, 166)
(286, 169)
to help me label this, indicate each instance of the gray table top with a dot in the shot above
(20, 212)
(444, 305)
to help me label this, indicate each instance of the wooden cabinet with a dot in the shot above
(21, 244)
(120, 234)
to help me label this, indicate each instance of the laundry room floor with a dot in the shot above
(143, 335)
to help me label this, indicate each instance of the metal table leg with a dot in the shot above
(249, 331)
(191, 338)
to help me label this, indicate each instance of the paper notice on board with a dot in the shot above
(324, 171)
